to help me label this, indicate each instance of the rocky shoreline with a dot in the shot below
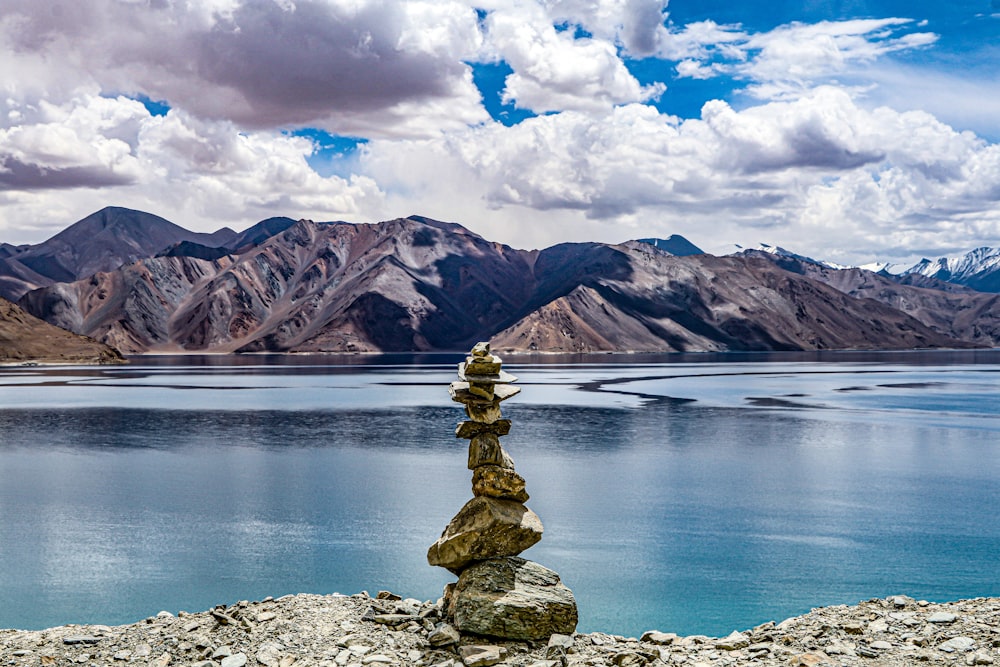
(359, 631)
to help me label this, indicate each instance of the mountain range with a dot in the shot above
(140, 283)
(977, 269)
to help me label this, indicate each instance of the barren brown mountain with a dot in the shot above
(24, 337)
(102, 241)
(949, 309)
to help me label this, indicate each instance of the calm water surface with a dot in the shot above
(694, 494)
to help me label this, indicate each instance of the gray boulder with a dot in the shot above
(511, 598)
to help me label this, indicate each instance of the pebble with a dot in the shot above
(269, 654)
(222, 652)
(481, 656)
(942, 617)
(235, 660)
(957, 644)
(734, 642)
(657, 637)
(80, 639)
(444, 635)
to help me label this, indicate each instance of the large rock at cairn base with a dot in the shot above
(485, 528)
(511, 598)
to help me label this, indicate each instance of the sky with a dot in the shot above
(848, 130)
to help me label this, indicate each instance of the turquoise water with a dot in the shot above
(693, 494)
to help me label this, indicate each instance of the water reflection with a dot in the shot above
(128, 490)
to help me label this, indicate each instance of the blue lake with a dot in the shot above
(686, 493)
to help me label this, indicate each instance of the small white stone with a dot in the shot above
(222, 652)
(942, 617)
(236, 660)
(957, 644)
(661, 638)
(269, 654)
(734, 642)
(878, 626)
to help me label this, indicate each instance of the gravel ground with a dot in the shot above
(359, 630)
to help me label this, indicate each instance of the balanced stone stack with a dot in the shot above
(497, 593)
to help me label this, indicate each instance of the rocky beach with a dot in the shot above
(385, 629)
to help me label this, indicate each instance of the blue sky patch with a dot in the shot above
(334, 155)
(154, 107)
(489, 79)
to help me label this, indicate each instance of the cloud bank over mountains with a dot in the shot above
(227, 111)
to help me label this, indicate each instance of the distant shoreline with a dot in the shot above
(514, 354)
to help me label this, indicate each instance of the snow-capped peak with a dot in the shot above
(880, 267)
(960, 268)
(782, 252)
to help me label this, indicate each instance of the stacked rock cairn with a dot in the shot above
(497, 593)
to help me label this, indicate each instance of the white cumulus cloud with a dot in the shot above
(554, 70)
(93, 151)
(827, 175)
(788, 60)
(345, 66)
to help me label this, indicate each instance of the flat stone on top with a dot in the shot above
(471, 429)
(483, 366)
(503, 377)
(460, 393)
